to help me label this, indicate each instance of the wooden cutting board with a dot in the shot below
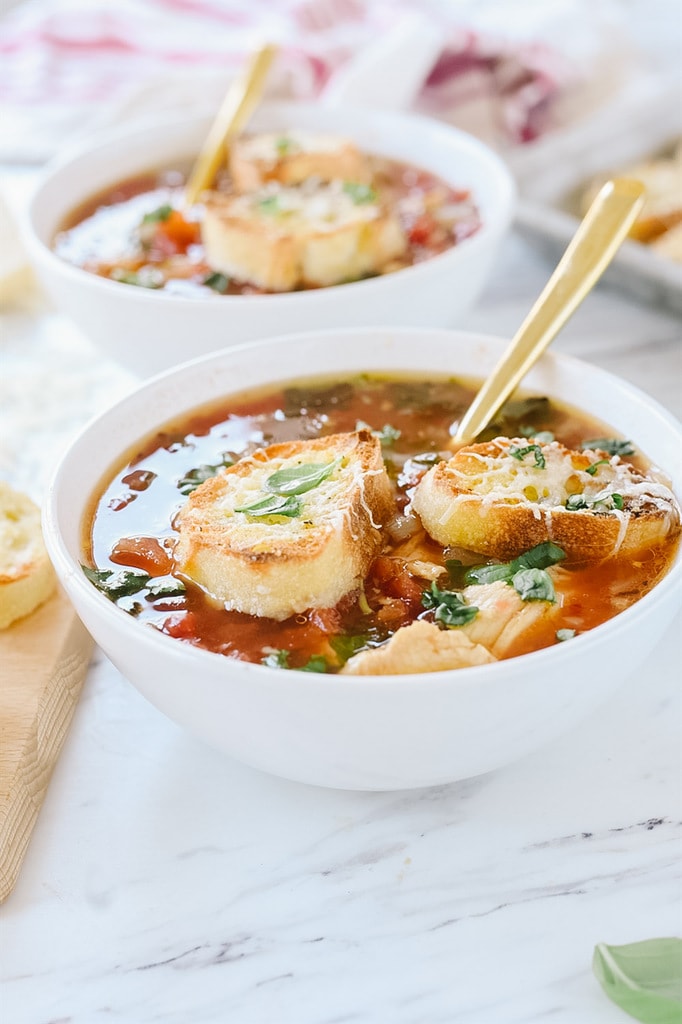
(43, 662)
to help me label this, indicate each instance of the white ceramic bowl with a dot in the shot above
(361, 733)
(147, 331)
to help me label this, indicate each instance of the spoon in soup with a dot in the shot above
(589, 252)
(240, 101)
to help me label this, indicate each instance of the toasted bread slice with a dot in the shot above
(27, 578)
(419, 647)
(662, 210)
(293, 157)
(669, 244)
(490, 501)
(280, 239)
(277, 565)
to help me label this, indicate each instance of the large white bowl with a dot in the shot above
(349, 732)
(147, 331)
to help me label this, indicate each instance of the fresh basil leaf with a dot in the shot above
(541, 436)
(611, 445)
(145, 277)
(191, 480)
(540, 557)
(535, 449)
(575, 502)
(595, 466)
(387, 435)
(269, 205)
(609, 502)
(299, 479)
(482, 574)
(165, 586)
(315, 664)
(534, 585)
(523, 408)
(117, 583)
(448, 606)
(643, 978)
(276, 659)
(274, 505)
(345, 645)
(160, 214)
(218, 282)
(565, 634)
(359, 193)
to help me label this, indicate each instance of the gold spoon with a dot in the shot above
(590, 251)
(240, 101)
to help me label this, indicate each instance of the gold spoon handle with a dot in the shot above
(590, 251)
(237, 107)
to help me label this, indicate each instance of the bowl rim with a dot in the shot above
(68, 569)
(506, 198)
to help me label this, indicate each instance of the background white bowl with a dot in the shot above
(147, 331)
(369, 733)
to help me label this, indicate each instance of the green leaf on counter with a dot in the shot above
(643, 978)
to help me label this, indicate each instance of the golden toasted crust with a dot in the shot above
(419, 647)
(294, 157)
(27, 578)
(278, 566)
(487, 501)
(280, 240)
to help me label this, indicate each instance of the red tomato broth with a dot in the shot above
(130, 519)
(97, 236)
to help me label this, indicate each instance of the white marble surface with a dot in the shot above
(165, 882)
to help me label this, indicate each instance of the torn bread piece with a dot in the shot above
(27, 578)
(419, 647)
(280, 239)
(502, 498)
(292, 157)
(288, 528)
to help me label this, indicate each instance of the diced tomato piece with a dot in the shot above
(182, 627)
(393, 579)
(421, 230)
(175, 234)
(142, 553)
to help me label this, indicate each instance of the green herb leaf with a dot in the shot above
(540, 557)
(276, 659)
(145, 277)
(387, 435)
(160, 214)
(534, 585)
(165, 586)
(315, 664)
(541, 436)
(345, 646)
(273, 505)
(482, 574)
(359, 193)
(218, 282)
(299, 479)
(611, 445)
(610, 501)
(283, 145)
(426, 458)
(269, 205)
(520, 454)
(197, 476)
(449, 608)
(575, 502)
(643, 978)
(117, 583)
(565, 634)
(595, 466)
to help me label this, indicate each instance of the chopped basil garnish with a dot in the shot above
(611, 445)
(526, 573)
(165, 586)
(541, 436)
(359, 193)
(117, 583)
(299, 479)
(218, 282)
(535, 449)
(345, 646)
(197, 476)
(533, 585)
(145, 277)
(448, 606)
(276, 659)
(274, 505)
(565, 634)
(269, 205)
(576, 502)
(160, 214)
(315, 664)
(595, 466)
(283, 145)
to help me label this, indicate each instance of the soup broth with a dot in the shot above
(130, 528)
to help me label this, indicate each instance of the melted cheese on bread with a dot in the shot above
(279, 565)
(27, 578)
(293, 157)
(497, 501)
(284, 238)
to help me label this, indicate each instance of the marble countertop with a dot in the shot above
(165, 882)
